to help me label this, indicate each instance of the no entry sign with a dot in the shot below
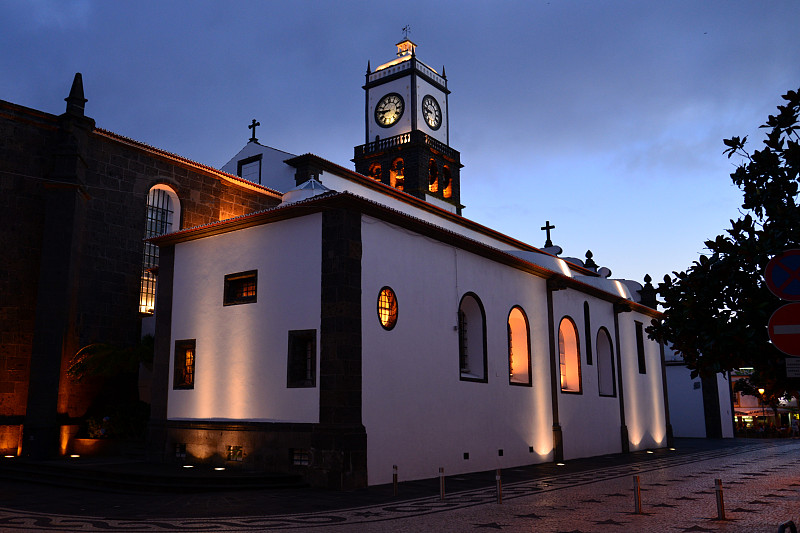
(784, 329)
(783, 275)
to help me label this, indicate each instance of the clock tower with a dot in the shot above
(408, 132)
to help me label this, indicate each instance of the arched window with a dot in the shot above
(433, 176)
(375, 171)
(519, 348)
(163, 216)
(569, 356)
(397, 177)
(605, 364)
(471, 338)
(447, 182)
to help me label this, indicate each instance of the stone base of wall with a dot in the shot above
(325, 457)
(265, 447)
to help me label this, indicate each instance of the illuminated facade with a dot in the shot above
(426, 340)
(354, 322)
(77, 202)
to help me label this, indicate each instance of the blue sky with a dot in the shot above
(606, 118)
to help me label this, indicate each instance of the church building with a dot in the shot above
(362, 323)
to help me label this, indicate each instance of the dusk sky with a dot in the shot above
(604, 117)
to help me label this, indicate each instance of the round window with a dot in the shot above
(387, 308)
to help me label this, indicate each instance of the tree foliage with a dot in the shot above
(717, 310)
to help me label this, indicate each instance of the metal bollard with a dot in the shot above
(720, 501)
(499, 486)
(394, 478)
(637, 495)
(441, 483)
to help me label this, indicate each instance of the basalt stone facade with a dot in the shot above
(73, 206)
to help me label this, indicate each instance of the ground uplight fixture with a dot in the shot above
(649, 451)
(672, 449)
(74, 455)
(9, 456)
(559, 464)
(219, 468)
(188, 466)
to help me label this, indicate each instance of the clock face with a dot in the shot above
(389, 110)
(431, 112)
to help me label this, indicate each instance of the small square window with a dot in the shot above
(234, 453)
(183, 377)
(302, 364)
(240, 288)
(301, 457)
(180, 450)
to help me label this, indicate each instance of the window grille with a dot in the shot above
(183, 376)
(462, 341)
(240, 288)
(158, 222)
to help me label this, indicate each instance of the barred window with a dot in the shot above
(241, 288)
(183, 377)
(302, 364)
(472, 339)
(387, 308)
(162, 209)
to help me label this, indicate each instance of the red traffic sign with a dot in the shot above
(783, 275)
(784, 329)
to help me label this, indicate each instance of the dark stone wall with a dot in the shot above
(339, 441)
(37, 149)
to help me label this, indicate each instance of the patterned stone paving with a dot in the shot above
(761, 490)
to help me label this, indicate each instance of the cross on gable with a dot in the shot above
(547, 227)
(252, 126)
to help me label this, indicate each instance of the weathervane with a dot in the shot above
(406, 30)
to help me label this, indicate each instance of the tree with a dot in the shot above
(716, 312)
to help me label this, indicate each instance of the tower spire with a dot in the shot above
(76, 103)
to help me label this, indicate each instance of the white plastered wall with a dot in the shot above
(417, 412)
(590, 423)
(644, 393)
(242, 350)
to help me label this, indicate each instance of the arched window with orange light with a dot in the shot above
(375, 171)
(387, 308)
(569, 356)
(163, 214)
(447, 182)
(397, 176)
(433, 176)
(519, 348)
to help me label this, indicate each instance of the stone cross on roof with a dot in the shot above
(547, 227)
(252, 126)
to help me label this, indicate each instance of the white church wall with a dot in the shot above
(417, 412)
(587, 413)
(275, 174)
(725, 404)
(685, 403)
(340, 184)
(242, 350)
(645, 416)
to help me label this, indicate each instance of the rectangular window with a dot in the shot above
(234, 453)
(302, 364)
(300, 457)
(184, 364)
(640, 347)
(240, 288)
(250, 169)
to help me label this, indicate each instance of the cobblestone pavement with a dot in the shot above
(760, 480)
